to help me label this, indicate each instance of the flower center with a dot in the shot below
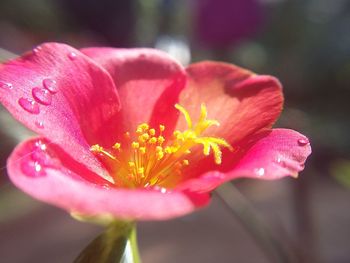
(149, 159)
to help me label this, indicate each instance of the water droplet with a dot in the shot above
(42, 157)
(5, 85)
(29, 105)
(50, 85)
(303, 141)
(36, 49)
(39, 124)
(72, 56)
(106, 186)
(259, 171)
(41, 145)
(32, 168)
(163, 190)
(42, 96)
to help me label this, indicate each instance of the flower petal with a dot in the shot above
(241, 101)
(63, 95)
(268, 155)
(46, 174)
(148, 81)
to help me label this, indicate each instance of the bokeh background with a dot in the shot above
(305, 43)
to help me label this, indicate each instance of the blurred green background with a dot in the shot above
(305, 43)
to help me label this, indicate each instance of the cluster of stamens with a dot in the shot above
(149, 159)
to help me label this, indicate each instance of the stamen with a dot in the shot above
(116, 146)
(155, 160)
(98, 149)
(152, 132)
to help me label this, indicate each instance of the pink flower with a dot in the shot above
(130, 133)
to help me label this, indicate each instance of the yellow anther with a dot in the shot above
(141, 171)
(142, 150)
(145, 126)
(168, 150)
(142, 128)
(176, 133)
(159, 155)
(131, 164)
(153, 140)
(161, 128)
(98, 149)
(159, 148)
(116, 146)
(135, 145)
(159, 152)
(185, 162)
(143, 138)
(152, 132)
(161, 140)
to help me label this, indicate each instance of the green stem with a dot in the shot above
(134, 245)
(118, 244)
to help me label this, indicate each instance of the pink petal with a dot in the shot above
(148, 81)
(49, 176)
(269, 155)
(63, 95)
(241, 101)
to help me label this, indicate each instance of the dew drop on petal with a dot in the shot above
(163, 190)
(36, 50)
(50, 85)
(5, 85)
(303, 141)
(40, 145)
(43, 96)
(72, 56)
(259, 172)
(106, 186)
(280, 160)
(29, 105)
(32, 168)
(39, 124)
(41, 157)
